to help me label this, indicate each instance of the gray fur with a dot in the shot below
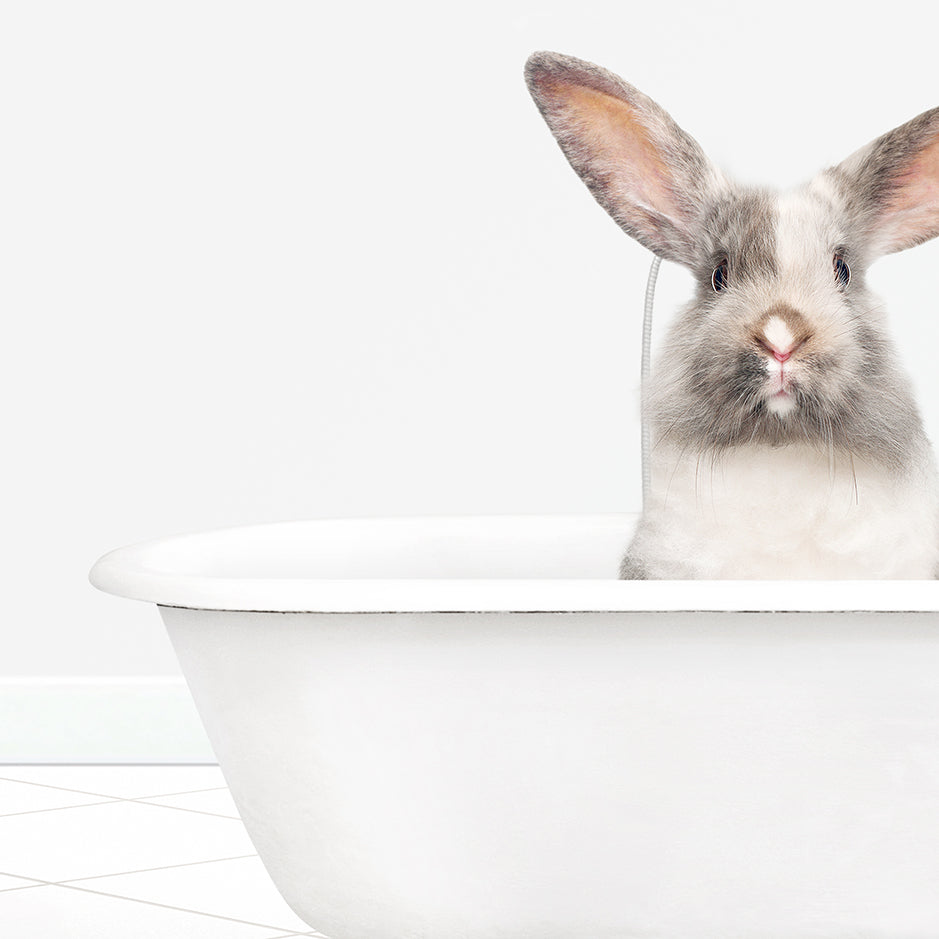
(712, 403)
(870, 179)
(740, 225)
(671, 234)
(632, 568)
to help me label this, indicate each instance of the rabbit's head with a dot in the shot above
(782, 340)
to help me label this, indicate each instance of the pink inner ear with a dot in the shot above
(613, 137)
(913, 213)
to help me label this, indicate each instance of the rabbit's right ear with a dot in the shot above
(639, 164)
(893, 185)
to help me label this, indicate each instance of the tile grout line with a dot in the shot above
(32, 882)
(187, 792)
(81, 792)
(148, 870)
(36, 882)
(60, 808)
(85, 792)
(166, 906)
(67, 885)
(179, 808)
(115, 801)
(107, 800)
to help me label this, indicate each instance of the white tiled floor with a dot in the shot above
(108, 852)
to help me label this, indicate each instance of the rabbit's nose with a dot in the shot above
(780, 354)
(778, 336)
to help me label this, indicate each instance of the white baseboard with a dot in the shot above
(100, 720)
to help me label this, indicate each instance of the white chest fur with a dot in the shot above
(792, 512)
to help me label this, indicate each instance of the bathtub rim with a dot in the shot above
(131, 572)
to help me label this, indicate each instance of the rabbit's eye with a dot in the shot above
(721, 277)
(842, 271)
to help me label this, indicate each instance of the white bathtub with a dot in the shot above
(468, 729)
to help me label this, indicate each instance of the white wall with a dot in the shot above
(274, 260)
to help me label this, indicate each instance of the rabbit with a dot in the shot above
(787, 443)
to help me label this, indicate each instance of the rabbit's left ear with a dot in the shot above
(650, 175)
(893, 184)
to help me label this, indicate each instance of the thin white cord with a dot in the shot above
(644, 381)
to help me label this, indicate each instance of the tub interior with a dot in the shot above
(449, 548)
